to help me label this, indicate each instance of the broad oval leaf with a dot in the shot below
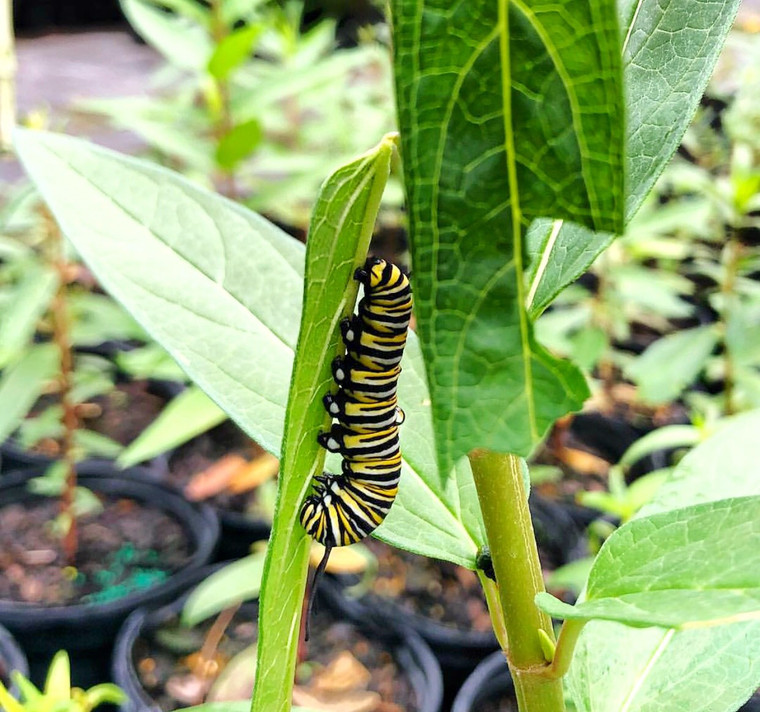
(508, 112)
(645, 574)
(669, 51)
(221, 289)
(702, 670)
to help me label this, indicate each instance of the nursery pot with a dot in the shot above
(12, 658)
(90, 628)
(411, 654)
(489, 681)
(239, 531)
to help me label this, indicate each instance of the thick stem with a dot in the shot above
(59, 316)
(7, 75)
(503, 501)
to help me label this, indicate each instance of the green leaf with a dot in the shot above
(96, 318)
(58, 680)
(104, 693)
(183, 43)
(232, 51)
(665, 438)
(339, 236)
(150, 361)
(29, 301)
(235, 583)
(96, 444)
(222, 292)
(492, 97)
(704, 669)
(645, 575)
(239, 143)
(191, 413)
(21, 384)
(660, 107)
(672, 363)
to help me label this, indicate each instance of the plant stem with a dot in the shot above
(59, 316)
(731, 256)
(224, 123)
(210, 645)
(7, 76)
(503, 501)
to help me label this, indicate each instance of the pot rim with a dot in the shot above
(490, 676)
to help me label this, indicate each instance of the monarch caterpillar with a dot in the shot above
(345, 508)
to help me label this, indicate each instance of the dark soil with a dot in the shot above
(126, 411)
(438, 590)
(124, 548)
(198, 454)
(338, 663)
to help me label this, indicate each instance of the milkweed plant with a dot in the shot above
(529, 133)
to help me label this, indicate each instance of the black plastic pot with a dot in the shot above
(239, 531)
(489, 681)
(459, 651)
(13, 457)
(12, 658)
(412, 655)
(89, 629)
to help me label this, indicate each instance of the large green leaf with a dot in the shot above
(704, 669)
(508, 112)
(221, 289)
(669, 50)
(645, 575)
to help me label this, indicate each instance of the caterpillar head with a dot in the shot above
(372, 273)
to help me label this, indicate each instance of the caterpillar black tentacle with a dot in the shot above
(345, 508)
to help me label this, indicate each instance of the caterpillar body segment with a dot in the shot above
(363, 417)
(373, 350)
(363, 384)
(368, 446)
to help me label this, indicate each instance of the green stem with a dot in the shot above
(509, 529)
(224, 124)
(494, 609)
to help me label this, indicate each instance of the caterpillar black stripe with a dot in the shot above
(345, 508)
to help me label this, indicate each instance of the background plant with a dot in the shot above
(57, 693)
(265, 109)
